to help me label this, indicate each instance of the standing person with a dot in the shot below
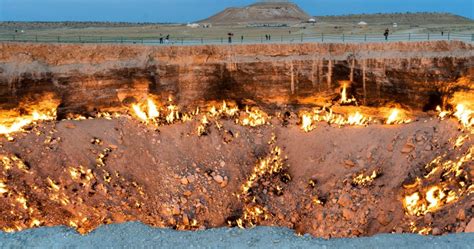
(386, 34)
(167, 39)
(242, 39)
(442, 33)
(269, 37)
(230, 37)
(161, 38)
(266, 37)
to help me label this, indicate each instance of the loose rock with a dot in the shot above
(218, 178)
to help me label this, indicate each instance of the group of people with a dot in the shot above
(165, 39)
(268, 37)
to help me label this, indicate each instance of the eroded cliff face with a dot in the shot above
(104, 77)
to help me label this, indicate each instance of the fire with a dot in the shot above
(464, 115)
(52, 184)
(81, 174)
(253, 117)
(18, 123)
(357, 119)
(203, 126)
(12, 121)
(434, 199)
(453, 185)
(396, 116)
(306, 122)
(434, 195)
(344, 98)
(3, 187)
(269, 165)
(152, 109)
(364, 180)
(460, 140)
(156, 114)
(266, 168)
(309, 118)
(442, 114)
(139, 113)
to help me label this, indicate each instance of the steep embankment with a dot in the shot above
(88, 77)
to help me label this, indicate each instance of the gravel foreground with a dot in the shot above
(133, 235)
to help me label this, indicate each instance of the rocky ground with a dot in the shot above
(331, 182)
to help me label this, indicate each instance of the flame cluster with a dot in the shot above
(25, 213)
(462, 113)
(363, 179)
(451, 177)
(310, 118)
(272, 165)
(28, 113)
(18, 197)
(17, 123)
(151, 112)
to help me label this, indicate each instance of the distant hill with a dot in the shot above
(419, 18)
(70, 25)
(260, 13)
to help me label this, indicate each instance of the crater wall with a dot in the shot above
(103, 77)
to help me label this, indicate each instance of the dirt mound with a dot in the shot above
(260, 13)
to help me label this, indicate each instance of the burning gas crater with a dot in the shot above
(444, 181)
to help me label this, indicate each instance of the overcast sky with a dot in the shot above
(192, 10)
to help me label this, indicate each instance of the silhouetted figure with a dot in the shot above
(266, 37)
(230, 37)
(269, 37)
(386, 34)
(242, 39)
(442, 33)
